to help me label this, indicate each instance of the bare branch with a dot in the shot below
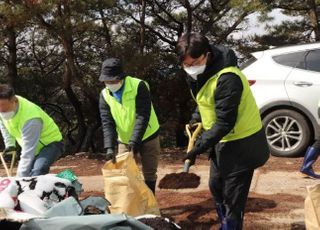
(232, 28)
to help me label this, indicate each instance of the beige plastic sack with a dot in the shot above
(125, 189)
(312, 207)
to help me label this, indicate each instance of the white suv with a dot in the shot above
(286, 84)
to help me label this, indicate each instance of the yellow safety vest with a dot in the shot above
(27, 111)
(124, 113)
(248, 120)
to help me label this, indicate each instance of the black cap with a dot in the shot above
(111, 70)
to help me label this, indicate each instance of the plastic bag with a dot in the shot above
(125, 188)
(312, 207)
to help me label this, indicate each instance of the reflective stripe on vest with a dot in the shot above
(124, 113)
(27, 111)
(248, 120)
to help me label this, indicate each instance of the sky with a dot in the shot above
(255, 27)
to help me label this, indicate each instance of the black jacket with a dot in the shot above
(227, 99)
(143, 109)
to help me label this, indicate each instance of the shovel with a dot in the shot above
(192, 138)
(13, 157)
(184, 179)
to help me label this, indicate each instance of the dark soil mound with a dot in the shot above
(159, 223)
(179, 181)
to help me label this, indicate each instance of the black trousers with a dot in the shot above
(230, 194)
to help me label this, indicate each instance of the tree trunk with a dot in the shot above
(77, 107)
(88, 140)
(12, 60)
(105, 26)
(313, 14)
(142, 26)
(183, 119)
(189, 11)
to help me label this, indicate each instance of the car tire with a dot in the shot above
(288, 133)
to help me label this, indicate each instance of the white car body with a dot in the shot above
(287, 79)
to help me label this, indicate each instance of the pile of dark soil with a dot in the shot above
(159, 223)
(179, 181)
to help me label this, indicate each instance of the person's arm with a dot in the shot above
(195, 116)
(108, 124)
(227, 99)
(31, 132)
(143, 110)
(9, 141)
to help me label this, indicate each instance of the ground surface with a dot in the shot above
(276, 199)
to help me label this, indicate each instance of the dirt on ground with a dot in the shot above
(280, 205)
(89, 164)
(179, 181)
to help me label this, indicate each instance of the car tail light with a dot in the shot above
(251, 82)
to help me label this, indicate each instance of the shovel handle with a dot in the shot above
(192, 131)
(192, 135)
(5, 165)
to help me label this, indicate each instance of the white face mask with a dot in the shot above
(114, 87)
(7, 115)
(194, 71)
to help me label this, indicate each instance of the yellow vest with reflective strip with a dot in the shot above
(248, 120)
(124, 113)
(27, 111)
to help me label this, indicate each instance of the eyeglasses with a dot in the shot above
(196, 62)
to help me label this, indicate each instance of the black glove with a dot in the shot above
(192, 122)
(110, 155)
(8, 150)
(134, 147)
(191, 156)
(198, 148)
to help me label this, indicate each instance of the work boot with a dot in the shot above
(152, 185)
(309, 158)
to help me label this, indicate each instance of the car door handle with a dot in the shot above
(303, 83)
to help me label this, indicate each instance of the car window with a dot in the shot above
(248, 62)
(312, 60)
(291, 59)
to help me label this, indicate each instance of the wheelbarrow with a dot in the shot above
(3, 161)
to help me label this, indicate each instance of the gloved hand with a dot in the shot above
(195, 151)
(192, 122)
(111, 155)
(134, 147)
(8, 151)
(191, 156)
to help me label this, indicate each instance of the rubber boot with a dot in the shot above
(229, 224)
(221, 213)
(151, 185)
(309, 158)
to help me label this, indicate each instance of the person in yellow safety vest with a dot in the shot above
(36, 133)
(232, 128)
(128, 118)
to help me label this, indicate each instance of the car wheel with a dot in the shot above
(287, 131)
